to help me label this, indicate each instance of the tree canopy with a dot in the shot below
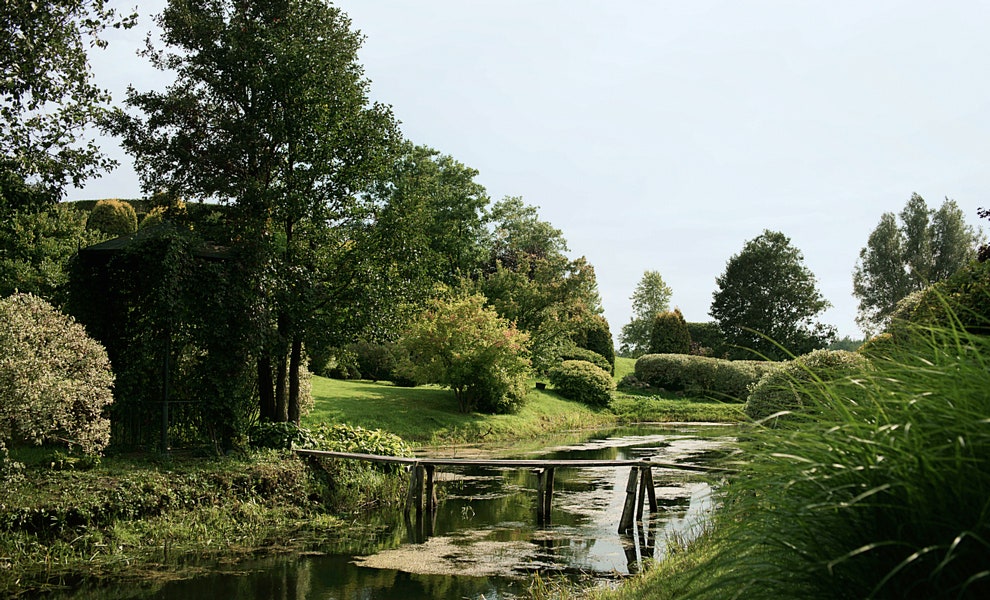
(269, 113)
(924, 247)
(766, 297)
(47, 97)
(650, 298)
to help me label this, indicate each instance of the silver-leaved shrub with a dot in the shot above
(55, 380)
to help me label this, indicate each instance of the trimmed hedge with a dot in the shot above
(795, 385)
(584, 354)
(582, 381)
(703, 376)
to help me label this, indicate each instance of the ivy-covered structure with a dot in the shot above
(176, 321)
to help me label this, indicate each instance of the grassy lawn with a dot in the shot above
(429, 414)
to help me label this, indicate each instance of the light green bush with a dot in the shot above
(794, 385)
(113, 217)
(55, 380)
(575, 353)
(582, 381)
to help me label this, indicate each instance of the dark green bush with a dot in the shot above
(113, 217)
(796, 383)
(582, 381)
(707, 339)
(594, 358)
(701, 376)
(670, 334)
(374, 361)
(597, 337)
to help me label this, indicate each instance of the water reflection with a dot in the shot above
(483, 540)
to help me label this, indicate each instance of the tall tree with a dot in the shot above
(926, 246)
(767, 297)
(47, 97)
(270, 113)
(529, 280)
(650, 298)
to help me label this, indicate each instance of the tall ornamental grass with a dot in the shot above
(881, 489)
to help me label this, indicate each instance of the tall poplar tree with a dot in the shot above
(908, 252)
(269, 113)
(650, 298)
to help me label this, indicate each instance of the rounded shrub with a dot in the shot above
(55, 380)
(113, 217)
(594, 358)
(670, 334)
(582, 381)
(796, 384)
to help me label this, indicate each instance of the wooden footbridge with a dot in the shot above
(421, 496)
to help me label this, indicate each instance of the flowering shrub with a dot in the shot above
(54, 379)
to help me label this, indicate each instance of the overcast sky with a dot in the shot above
(664, 135)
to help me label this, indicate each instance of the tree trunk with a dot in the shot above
(266, 389)
(295, 360)
(281, 395)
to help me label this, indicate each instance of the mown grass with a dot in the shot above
(429, 415)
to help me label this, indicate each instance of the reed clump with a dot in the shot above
(879, 489)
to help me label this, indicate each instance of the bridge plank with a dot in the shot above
(501, 463)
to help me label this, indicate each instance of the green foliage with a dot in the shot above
(47, 97)
(707, 339)
(650, 298)
(166, 294)
(885, 497)
(798, 383)
(36, 247)
(583, 381)
(595, 335)
(279, 436)
(575, 353)
(113, 217)
(55, 381)
(768, 300)
(374, 361)
(670, 334)
(290, 145)
(529, 280)
(461, 344)
(339, 437)
(926, 247)
(701, 376)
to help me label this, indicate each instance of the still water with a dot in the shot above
(484, 542)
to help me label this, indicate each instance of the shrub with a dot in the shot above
(583, 381)
(113, 217)
(464, 345)
(594, 358)
(55, 380)
(796, 383)
(374, 361)
(702, 376)
(707, 339)
(597, 338)
(670, 334)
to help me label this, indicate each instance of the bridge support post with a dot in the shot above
(414, 497)
(629, 506)
(544, 495)
(431, 492)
